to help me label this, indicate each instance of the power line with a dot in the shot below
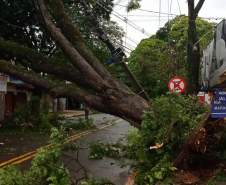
(126, 26)
(145, 20)
(135, 42)
(171, 14)
(160, 8)
(124, 19)
(171, 4)
(150, 11)
(132, 25)
(151, 16)
(179, 6)
(125, 47)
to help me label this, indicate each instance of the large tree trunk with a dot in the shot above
(126, 105)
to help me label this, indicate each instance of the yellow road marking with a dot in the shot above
(25, 157)
(16, 158)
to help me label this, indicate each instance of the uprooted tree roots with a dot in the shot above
(201, 155)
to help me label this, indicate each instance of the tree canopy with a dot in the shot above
(163, 55)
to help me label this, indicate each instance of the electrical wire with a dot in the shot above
(171, 14)
(171, 4)
(126, 26)
(150, 11)
(160, 8)
(133, 41)
(179, 6)
(119, 16)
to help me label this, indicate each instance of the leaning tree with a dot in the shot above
(52, 50)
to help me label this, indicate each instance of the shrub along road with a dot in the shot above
(108, 129)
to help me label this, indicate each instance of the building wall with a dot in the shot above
(2, 106)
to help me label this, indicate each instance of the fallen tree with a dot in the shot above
(91, 82)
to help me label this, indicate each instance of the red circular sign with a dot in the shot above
(177, 85)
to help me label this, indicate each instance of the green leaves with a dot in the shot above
(46, 167)
(100, 150)
(159, 58)
(169, 121)
(133, 4)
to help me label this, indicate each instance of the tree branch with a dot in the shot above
(74, 36)
(52, 88)
(92, 77)
(40, 63)
(199, 6)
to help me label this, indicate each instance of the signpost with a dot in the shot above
(177, 85)
(218, 108)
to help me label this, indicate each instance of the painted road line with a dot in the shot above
(29, 155)
(16, 158)
(24, 159)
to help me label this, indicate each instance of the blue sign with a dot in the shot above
(218, 108)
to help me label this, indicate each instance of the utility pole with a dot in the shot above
(117, 53)
(193, 47)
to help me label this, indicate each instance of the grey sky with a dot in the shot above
(149, 22)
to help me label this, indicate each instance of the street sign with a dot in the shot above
(177, 85)
(204, 97)
(3, 83)
(218, 108)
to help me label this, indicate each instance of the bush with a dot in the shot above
(96, 182)
(31, 115)
(168, 122)
(219, 178)
(80, 124)
(46, 167)
(100, 150)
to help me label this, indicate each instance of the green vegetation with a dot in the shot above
(168, 122)
(79, 124)
(31, 115)
(220, 177)
(159, 58)
(46, 167)
(35, 116)
(96, 182)
(100, 150)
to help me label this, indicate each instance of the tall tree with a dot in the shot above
(193, 47)
(162, 56)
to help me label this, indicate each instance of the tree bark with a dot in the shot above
(129, 107)
(73, 34)
(40, 63)
(97, 88)
(92, 77)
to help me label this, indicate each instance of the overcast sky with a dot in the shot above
(147, 23)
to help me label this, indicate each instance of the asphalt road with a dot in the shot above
(99, 169)
(105, 168)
